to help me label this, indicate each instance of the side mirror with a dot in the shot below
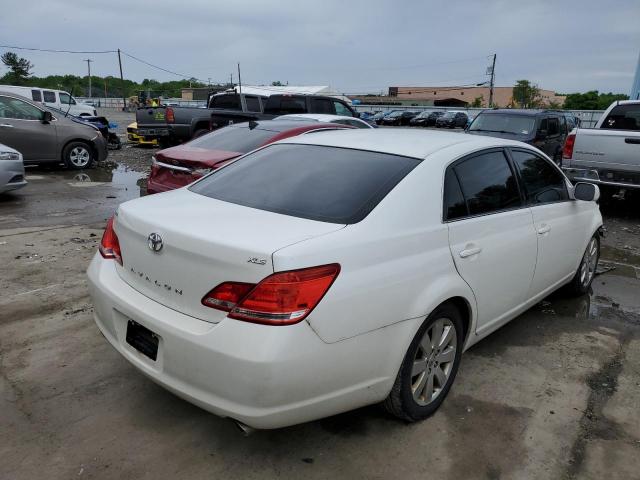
(46, 116)
(587, 192)
(541, 135)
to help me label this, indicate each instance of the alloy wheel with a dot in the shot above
(433, 361)
(589, 263)
(79, 156)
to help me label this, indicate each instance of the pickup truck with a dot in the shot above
(174, 125)
(609, 154)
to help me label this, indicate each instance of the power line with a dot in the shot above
(159, 68)
(13, 47)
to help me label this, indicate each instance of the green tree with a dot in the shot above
(19, 69)
(592, 100)
(477, 102)
(526, 95)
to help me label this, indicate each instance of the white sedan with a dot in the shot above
(327, 118)
(334, 270)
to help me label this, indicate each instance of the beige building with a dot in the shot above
(465, 96)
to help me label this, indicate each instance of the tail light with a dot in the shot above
(169, 115)
(110, 246)
(567, 150)
(283, 298)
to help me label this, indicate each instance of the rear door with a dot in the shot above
(21, 128)
(491, 234)
(560, 223)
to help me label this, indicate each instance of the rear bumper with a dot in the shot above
(11, 175)
(263, 376)
(610, 178)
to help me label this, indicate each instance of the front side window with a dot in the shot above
(542, 182)
(49, 96)
(487, 183)
(19, 110)
(328, 184)
(36, 96)
(66, 99)
(341, 109)
(623, 117)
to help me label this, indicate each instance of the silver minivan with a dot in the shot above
(45, 136)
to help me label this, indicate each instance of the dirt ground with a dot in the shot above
(554, 394)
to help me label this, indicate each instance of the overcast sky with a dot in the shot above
(353, 45)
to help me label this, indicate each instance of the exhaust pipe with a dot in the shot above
(245, 429)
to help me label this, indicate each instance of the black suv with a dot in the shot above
(544, 129)
(398, 117)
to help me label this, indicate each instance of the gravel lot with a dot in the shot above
(554, 394)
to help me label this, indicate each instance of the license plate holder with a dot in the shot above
(142, 339)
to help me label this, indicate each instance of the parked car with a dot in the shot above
(101, 123)
(178, 166)
(452, 119)
(42, 136)
(380, 115)
(609, 154)
(53, 99)
(420, 120)
(174, 125)
(544, 129)
(433, 118)
(322, 117)
(11, 169)
(134, 137)
(368, 117)
(330, 271)
(399, 118)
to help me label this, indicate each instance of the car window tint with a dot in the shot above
(329, 184)
(554, 126)
(488, 184)
(285, 104)
(543, 125)
(36, 95)
(454, 204)
(228, 102)
(543, 182)
(623, 117)
(341, 109)
(323, 105)
(49, 97)
(19, 110)
(253, 104)
(240, 138)
(66, 99)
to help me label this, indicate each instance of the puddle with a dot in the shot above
(620, 255)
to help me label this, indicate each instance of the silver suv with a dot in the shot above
(44, 136)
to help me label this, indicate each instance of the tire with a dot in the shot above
(78, 155)
(199, 133)
(586, 272)
(407, 399)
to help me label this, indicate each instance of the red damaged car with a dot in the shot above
(178, 166)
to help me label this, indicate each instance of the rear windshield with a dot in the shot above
(328, 184)
(226, 101)
(493, 122)
(285, 104)
(623, 117)
(238, 138)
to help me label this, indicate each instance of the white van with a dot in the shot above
(52, 98)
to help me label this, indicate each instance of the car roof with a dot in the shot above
(319, 117)
(405, 142)
(520, 111)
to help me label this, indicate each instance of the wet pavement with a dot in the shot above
(553, 394)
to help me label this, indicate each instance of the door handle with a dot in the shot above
(544, 228)
(468, 252)
(6, 125)
(635, 141)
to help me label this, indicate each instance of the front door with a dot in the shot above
(491, 234)
(21, 128)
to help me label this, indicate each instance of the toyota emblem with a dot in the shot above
(155, 242)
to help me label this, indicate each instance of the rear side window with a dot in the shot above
(36, 96)
(285, 104)
(49, 97)
(241, 139)
(253, 104)
(487, 183)
(454, 204)
(623, 117)
(542, 182)
(554, 127)
(227, 102)
(328, 184)
(322, 105)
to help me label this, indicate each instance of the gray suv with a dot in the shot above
(44, 136)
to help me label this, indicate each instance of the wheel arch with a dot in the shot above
(88, 143)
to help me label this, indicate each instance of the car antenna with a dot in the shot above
(69, 107)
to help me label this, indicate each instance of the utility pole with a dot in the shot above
(239, 80)
(493, 77)
(124, 100)
(88, 60)
(231, 79)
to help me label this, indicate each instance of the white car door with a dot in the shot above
(561, 224)
(491, 234)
